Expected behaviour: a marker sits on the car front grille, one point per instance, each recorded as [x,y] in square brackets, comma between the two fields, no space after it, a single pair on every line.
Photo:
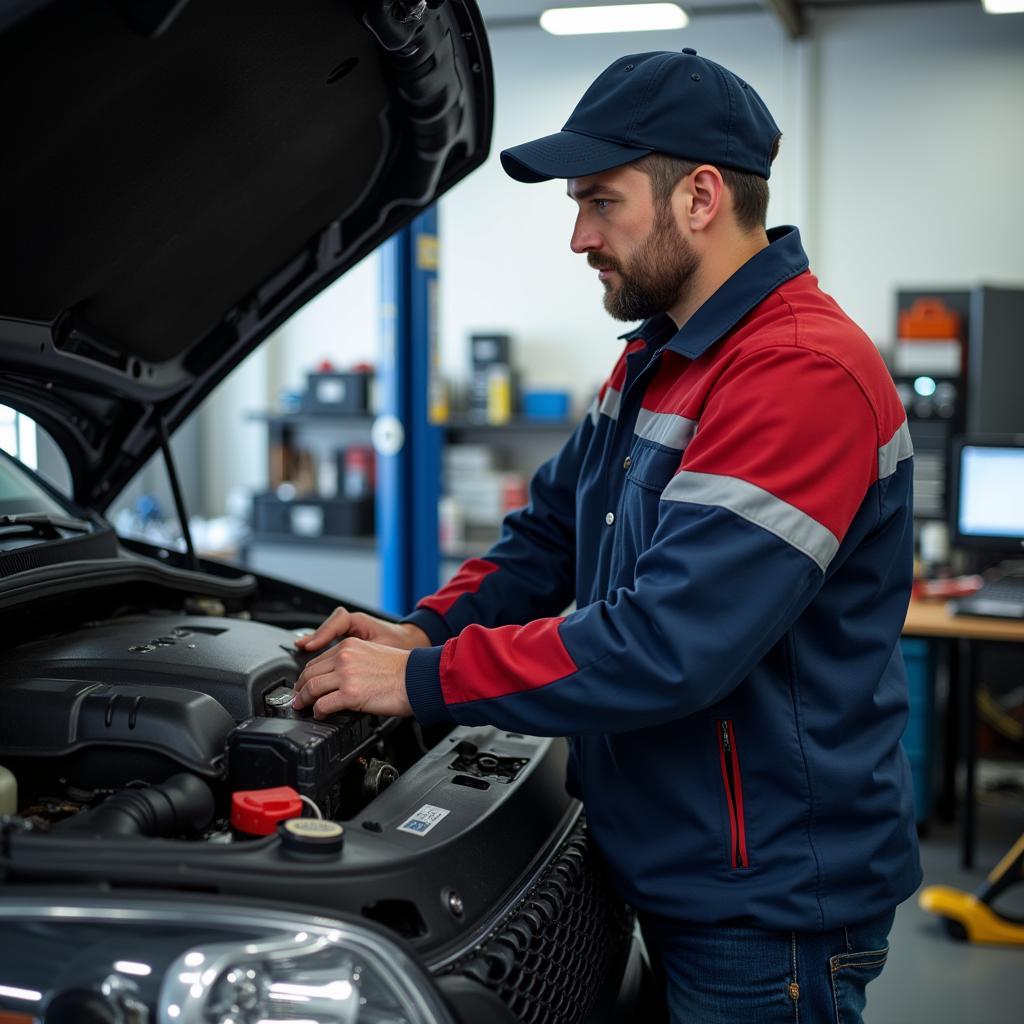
[555,951]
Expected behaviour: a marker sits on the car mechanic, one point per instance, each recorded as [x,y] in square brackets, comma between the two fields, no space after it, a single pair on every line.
[733,520]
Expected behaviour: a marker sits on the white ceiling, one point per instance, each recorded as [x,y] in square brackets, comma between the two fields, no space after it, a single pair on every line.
[518,9]
[524,8]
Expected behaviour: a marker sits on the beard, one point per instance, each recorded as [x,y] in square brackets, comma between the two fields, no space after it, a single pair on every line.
[655,277]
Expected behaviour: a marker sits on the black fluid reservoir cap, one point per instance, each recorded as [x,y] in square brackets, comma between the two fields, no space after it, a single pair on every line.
[311,836]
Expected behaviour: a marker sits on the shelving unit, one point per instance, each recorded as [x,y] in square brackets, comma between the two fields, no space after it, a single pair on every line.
[347,567]
[520,446]
[461,426]
[284,420]
[336,562]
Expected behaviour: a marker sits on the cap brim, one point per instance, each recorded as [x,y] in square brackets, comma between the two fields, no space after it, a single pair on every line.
[565,155]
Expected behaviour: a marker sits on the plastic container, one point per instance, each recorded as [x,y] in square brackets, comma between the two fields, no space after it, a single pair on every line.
[358,472]
[514,492]
[545,405]
[313,517]
[499,394]
[451,525]
[8,791]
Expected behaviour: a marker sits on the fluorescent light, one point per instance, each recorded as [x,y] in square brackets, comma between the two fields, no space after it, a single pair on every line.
[20,993]
[1003,6]
[578,21]
[131,967]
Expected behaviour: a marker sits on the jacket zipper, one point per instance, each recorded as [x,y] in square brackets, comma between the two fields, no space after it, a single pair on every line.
[733,793]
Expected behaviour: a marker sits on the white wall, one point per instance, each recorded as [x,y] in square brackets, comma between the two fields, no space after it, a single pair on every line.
[340,325]
[901,163]
[234,448]
[505,258]
[921,150]
[903,142]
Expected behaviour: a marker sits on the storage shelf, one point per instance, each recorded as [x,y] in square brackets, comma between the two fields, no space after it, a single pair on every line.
[354,543]
[466,426]
[304,419]
[451,426]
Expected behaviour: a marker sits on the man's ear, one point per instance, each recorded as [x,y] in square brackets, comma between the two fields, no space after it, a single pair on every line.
[706,196]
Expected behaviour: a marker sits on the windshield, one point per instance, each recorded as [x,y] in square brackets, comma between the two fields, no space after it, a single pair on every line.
[19,493]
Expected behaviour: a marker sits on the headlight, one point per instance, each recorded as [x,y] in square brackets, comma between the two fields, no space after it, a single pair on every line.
[157,962]
[315,975]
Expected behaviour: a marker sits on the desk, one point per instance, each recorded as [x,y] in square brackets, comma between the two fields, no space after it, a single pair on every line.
[933,618]
[930,618]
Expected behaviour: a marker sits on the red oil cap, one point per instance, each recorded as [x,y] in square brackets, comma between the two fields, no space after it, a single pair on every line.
[257,811]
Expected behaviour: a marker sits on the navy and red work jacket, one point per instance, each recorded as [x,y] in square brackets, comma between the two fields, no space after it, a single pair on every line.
[733,520]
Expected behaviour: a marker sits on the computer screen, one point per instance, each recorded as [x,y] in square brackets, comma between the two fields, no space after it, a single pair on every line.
[989,509]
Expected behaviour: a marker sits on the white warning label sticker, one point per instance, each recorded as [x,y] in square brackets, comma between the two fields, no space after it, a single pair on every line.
[424,820]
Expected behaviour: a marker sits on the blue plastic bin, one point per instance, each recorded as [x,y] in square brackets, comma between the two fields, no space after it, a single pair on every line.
[545,405]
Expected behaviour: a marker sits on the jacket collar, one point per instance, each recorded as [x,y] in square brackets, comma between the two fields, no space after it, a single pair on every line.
[780,261]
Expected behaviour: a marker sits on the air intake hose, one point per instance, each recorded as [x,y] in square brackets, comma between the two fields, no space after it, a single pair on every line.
[182,804]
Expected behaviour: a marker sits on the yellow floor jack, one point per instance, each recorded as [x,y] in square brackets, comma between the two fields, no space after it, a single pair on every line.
[971,916]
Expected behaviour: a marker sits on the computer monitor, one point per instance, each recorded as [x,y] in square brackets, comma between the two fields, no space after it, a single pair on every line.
[988,490]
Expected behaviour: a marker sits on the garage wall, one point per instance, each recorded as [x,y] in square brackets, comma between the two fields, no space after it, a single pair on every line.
[505,258]
[903,143]
[921,144]
[903,140]
[340,324]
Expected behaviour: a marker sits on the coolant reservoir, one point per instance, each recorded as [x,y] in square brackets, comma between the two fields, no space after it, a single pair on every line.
[8,791]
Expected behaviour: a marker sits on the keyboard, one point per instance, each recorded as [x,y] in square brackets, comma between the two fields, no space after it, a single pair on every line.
[1003,598]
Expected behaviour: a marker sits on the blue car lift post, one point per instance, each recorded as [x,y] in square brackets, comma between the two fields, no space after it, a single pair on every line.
[408,445]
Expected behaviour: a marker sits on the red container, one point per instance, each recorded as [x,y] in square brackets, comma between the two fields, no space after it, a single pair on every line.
[257,811]
[514,492]
[358,472]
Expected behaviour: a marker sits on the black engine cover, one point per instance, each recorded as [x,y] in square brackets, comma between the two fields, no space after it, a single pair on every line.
[139,697]
[232,660]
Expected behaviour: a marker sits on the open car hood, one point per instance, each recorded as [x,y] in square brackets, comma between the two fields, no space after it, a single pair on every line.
[179,178]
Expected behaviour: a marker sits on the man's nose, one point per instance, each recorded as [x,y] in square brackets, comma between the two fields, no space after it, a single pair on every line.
[584,238]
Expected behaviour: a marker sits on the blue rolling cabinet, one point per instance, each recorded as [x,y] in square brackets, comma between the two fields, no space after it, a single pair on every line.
[919,736]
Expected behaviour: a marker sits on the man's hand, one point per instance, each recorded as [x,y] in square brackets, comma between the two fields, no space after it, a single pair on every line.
[355,676]
[342,623]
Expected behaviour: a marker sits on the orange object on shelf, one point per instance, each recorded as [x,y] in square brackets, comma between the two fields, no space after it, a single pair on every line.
[929,319]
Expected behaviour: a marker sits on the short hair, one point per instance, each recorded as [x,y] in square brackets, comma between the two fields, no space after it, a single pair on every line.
[749,191]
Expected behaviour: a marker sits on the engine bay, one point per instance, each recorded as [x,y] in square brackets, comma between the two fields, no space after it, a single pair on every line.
[129,703]
[148,743]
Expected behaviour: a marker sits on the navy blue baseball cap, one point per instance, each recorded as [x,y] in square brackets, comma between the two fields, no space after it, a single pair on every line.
[679,104]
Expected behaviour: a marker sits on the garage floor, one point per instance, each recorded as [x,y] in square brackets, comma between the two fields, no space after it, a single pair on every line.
[932,979]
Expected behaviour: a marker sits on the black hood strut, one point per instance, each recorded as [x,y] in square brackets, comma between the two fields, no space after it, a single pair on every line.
[179,500]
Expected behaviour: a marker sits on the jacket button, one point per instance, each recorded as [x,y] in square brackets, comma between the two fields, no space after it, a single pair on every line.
[610,518]
[627,462]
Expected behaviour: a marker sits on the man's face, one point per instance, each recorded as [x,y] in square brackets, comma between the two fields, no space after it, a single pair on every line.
[642,258]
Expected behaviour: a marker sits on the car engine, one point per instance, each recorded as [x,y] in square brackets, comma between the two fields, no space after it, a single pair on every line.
[133,702]
[148,746]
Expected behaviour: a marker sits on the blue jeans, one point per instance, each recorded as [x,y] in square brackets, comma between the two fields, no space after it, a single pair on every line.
[729,975]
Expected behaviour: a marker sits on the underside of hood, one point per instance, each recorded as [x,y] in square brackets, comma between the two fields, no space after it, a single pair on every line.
[179,178]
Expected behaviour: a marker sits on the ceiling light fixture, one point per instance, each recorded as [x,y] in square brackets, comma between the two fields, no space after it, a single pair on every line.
[1003,6]
[576,21]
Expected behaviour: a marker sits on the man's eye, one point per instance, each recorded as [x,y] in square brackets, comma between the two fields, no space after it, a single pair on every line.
[602,204]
